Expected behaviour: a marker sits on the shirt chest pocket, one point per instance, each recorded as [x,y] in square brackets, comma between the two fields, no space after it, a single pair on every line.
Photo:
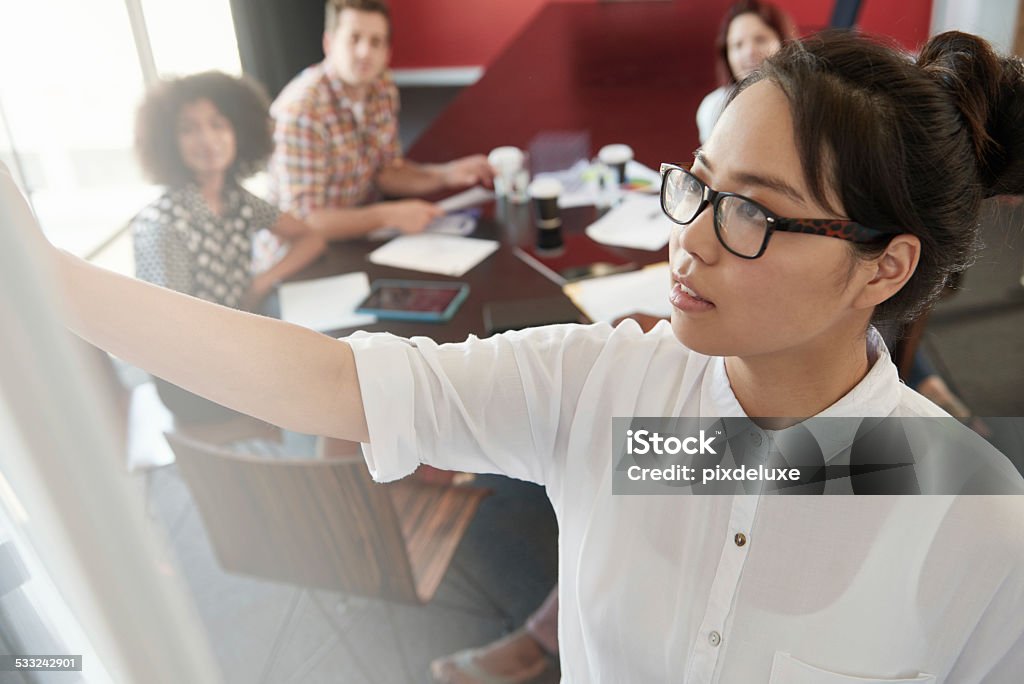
[788,670]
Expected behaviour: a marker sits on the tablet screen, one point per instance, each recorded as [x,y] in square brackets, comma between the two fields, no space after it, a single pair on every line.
[419,299]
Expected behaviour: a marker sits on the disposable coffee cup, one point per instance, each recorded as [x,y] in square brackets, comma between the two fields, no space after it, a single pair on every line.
[545,193]
[616,157]
[508,166]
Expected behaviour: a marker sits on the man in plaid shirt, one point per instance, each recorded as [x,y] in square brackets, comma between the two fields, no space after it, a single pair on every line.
[336,136]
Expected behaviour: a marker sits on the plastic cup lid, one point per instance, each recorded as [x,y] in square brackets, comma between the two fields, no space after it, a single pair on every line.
[506,159]
[615,154]
[545,188]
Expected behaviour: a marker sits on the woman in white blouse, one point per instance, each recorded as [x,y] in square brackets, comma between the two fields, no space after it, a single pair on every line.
[751,32]
[885,161]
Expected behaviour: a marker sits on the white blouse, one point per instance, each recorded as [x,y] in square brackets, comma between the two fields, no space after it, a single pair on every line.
[710,110]
[779,589]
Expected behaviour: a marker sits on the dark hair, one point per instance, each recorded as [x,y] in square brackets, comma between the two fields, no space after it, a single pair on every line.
[772,16]
[334,9]
[911,147]
[242,101]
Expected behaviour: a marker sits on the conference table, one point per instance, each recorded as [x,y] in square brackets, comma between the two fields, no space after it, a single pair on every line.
[615,73]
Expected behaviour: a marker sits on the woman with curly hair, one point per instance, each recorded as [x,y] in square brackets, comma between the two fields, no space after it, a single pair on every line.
[199,136]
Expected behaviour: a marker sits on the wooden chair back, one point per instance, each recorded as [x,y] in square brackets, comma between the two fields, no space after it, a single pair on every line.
[324,523]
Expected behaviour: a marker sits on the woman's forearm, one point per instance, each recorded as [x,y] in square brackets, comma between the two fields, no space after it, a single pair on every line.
[278,372]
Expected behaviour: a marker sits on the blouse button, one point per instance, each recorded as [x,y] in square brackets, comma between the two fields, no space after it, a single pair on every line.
[740,539]
[714,638]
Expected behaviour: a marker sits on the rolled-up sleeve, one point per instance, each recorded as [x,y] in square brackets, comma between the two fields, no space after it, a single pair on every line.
[499,405]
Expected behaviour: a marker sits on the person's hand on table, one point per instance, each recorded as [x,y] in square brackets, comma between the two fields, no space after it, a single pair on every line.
[646,321]
[410,216]
[467,171]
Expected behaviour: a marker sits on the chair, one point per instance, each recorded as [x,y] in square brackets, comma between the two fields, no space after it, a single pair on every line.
[324,524]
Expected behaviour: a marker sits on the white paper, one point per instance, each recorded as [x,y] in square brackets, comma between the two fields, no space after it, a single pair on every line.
[326,303]
[637,222]
[444,254]
[610,297]
[476,195]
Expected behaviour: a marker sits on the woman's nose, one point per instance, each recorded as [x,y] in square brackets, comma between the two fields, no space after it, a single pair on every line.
[698,238]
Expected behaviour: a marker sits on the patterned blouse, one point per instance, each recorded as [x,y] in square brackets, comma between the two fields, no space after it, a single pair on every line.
[180,244]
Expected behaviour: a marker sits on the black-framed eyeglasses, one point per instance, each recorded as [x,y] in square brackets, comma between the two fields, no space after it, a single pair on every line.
[742,225]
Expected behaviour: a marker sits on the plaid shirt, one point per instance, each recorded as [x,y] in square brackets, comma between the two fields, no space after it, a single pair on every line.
[324,156]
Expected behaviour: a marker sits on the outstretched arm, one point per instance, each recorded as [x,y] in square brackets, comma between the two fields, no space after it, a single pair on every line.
[278,372]
[275,371]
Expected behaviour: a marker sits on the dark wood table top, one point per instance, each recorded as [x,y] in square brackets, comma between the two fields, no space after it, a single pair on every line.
[501,276]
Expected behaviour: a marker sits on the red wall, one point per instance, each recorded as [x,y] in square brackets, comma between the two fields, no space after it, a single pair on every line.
[431,33]
[907,21]
[442,33]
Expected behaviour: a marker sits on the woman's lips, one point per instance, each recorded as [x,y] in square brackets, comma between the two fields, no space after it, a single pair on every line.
[686,298]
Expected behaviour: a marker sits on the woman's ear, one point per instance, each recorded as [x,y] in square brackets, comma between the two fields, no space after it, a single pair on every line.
[890,271]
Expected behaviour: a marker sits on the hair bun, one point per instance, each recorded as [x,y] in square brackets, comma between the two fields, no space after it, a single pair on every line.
[989,92]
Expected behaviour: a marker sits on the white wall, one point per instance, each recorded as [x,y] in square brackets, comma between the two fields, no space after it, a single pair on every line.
[994,20]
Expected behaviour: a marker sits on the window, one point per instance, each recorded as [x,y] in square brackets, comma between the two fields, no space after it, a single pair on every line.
[71,76]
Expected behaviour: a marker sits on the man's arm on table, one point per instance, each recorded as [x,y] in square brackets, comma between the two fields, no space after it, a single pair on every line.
[302,170]
[409,216]
[404,178]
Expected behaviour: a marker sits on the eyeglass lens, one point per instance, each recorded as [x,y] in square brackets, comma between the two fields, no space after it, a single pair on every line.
[741,224]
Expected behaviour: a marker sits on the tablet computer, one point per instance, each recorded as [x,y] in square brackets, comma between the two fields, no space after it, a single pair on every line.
[414,300]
